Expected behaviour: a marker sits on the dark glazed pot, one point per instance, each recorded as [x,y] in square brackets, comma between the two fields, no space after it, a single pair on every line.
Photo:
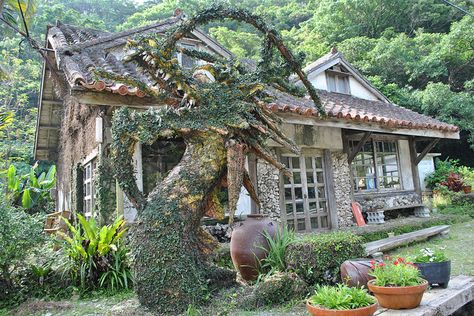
[436,272]
[355,272]
[247,242]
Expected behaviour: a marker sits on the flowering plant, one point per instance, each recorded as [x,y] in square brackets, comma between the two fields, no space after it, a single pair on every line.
[398,272]
[429,255]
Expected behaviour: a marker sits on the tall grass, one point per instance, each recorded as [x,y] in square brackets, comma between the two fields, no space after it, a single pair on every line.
[275,259]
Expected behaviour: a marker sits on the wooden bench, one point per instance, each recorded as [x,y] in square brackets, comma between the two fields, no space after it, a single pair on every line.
[403,239]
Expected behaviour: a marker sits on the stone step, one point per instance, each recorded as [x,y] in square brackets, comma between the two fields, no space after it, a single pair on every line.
[439,301]
[404,239]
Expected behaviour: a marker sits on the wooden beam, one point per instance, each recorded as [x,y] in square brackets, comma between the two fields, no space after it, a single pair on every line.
[359,146]
[52,102]
[329,179]
[110,99]
[414,165]
[427,149]
[50,127]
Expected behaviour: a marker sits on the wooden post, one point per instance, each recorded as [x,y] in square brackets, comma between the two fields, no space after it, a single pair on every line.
[426,150]
[414,165]
[361,143]
[331,198]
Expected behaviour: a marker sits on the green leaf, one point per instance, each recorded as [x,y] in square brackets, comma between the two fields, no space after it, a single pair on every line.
[26,200]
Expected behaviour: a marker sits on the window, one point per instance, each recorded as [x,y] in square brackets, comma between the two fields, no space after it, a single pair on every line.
[376,166]
[304,201]
[185,61]
[338,79]
[88,188]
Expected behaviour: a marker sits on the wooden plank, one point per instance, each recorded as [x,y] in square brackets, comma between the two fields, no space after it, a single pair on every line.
[414,165]
[438,301]
[361,143]
[331,198]
[426,150]
[403,239]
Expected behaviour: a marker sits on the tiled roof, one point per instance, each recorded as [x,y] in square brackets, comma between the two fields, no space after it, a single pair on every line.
[347,107]
[79,51]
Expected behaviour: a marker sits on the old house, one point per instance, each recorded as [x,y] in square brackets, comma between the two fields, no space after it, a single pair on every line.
[366,149]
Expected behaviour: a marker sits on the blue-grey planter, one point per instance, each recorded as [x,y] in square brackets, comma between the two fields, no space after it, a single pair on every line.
[436,272]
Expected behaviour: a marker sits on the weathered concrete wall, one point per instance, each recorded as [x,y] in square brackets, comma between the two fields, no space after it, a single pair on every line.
[309,136]
[268,190]
[342,188]
[405,165]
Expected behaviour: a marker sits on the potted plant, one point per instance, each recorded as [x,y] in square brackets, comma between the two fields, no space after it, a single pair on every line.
[467,189]
[397,284]
[341,300]
[434,266]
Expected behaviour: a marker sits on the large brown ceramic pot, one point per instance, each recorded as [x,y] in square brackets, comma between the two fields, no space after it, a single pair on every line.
[248,244]
[398,297]
[363,311]
[355,272]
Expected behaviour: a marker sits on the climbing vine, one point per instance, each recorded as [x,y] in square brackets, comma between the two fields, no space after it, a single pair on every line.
[219,110]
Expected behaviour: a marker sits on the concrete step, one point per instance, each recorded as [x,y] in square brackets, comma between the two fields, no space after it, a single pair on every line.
[439,301]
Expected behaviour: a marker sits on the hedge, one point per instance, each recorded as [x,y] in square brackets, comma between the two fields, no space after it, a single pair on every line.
[406,225]
[316,258]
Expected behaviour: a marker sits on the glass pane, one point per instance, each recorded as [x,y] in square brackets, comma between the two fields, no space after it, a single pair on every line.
[312,207]
[320,177]
[310,177]
[308,163]
[285,161]
[298,193]
[314,223]
[322,206]
[297,177]
[288,194]
[311,193]
[318,161]
[324,222]
[299,207]
[296,162]
[290,224]
[301,224]
[321,193]
[289,208]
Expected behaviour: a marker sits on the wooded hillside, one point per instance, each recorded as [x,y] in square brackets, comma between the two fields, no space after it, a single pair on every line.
[420,53]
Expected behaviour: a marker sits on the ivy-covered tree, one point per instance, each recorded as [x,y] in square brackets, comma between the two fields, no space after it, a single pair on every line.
[219,110]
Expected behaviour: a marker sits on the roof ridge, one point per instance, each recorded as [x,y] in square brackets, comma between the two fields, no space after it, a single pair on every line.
[112,36]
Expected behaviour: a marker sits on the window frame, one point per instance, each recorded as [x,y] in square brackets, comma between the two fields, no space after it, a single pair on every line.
[338,75]
[88,180]
[373,140]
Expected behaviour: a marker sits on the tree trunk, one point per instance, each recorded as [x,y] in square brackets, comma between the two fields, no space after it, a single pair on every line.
[170,269]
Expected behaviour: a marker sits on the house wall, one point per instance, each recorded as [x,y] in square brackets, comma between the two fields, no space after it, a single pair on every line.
[309,137]
[77,142]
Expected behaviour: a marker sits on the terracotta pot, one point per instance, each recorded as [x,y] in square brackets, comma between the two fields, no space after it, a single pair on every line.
[246,244]
[398,297]
[355,272]
[467,189]
[363,311]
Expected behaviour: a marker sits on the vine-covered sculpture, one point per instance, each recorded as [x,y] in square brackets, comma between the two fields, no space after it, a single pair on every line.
[219,110]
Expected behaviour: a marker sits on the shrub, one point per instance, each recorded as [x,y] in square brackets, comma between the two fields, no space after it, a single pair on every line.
[278,288]
[453,182]
[19,233]
[317,257]
[275,259]
[395,273]
[341,297]
[443,169]
[97,255]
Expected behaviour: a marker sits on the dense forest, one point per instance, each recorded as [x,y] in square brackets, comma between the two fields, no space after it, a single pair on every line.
[420,53]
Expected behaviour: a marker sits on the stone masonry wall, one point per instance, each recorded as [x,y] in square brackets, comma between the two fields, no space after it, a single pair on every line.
[268,190]
[372,202]
[342,189]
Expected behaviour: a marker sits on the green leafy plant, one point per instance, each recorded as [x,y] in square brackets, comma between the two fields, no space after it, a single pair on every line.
[29,190]
[427,255]
[275,259]
[341,297]
[97,255]
[398,272]
[443,169]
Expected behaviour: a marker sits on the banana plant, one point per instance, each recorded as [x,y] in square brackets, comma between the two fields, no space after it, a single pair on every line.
[29,190]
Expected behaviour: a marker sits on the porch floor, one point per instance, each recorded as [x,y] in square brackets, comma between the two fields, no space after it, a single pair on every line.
[439,301]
